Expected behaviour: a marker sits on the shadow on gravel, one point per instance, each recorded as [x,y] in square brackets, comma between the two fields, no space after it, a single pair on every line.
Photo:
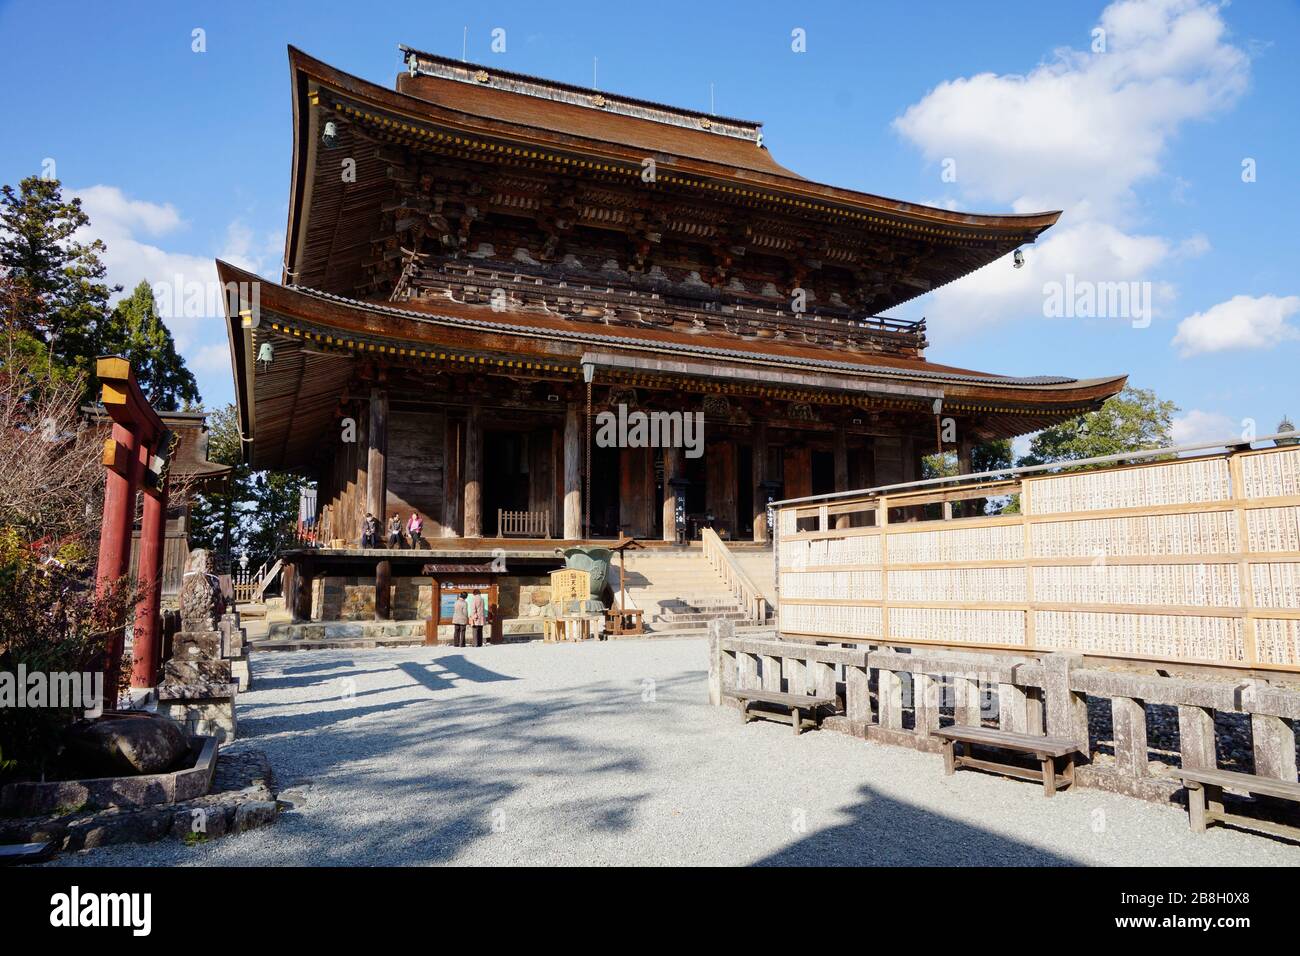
[425,777]
[887,832]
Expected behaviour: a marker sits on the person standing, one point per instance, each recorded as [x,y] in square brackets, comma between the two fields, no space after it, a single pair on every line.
[459,618]
[477,617]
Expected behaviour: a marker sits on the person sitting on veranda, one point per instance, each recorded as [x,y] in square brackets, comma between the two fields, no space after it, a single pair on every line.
[414,529]
[370,532]
[394,531]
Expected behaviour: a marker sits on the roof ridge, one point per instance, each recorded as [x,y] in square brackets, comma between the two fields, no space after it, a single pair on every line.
[420,63]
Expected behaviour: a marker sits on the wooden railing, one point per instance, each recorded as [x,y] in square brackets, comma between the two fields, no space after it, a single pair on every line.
[751,599]
[1190,560]
[523,524]
[902,698]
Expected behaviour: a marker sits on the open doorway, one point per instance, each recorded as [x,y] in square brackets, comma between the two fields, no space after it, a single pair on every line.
[505,476]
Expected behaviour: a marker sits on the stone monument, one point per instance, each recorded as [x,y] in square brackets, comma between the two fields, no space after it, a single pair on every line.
[198,687]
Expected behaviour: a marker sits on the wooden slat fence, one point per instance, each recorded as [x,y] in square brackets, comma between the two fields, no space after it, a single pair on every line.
[1191,560]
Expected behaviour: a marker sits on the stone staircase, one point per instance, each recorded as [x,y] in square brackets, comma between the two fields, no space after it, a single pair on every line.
[679,592]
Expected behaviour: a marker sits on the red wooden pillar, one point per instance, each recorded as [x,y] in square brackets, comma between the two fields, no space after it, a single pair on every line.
[145,654]
[136,428]
[121,457]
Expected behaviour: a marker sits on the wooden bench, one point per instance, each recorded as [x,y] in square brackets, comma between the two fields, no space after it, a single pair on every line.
[1046,749]
[796,704]
[1205,799]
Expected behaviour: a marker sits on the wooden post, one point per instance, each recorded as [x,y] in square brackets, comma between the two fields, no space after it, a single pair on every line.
[889,695]
[302,588]
[453,491]
[376,459]
[1129,724]
[758,479]
[720,490]
[384,591]
[673,458]
[1013,709]
[147,645]
[1196,737]
[572,473]
[771,673]
[841,454]
[1274,746]
[925,704]
[857,690]
[1067,711]
[474,472]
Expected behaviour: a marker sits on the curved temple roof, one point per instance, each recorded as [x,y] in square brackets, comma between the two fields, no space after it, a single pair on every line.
[580,131]
[336,331]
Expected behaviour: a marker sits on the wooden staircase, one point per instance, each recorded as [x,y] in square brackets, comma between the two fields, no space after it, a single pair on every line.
[680,591]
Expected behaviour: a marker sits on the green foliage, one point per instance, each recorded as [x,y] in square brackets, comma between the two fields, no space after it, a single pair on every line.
[57,294]
[53,621]
[135,331]
[258,510]
[1133,420]
[990,456]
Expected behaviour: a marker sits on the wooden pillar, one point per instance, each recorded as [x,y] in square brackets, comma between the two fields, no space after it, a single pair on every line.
[301,596]
[377,458]
[965,450]
[361,495]
[720,489]
[453,490]
[673,467]
[572,472]
[797,471]
[636,491]
[121,479]
[147,645]
[383,591]
[758,479]
[888,460]
[841,471]
[1129,726]
[474,472]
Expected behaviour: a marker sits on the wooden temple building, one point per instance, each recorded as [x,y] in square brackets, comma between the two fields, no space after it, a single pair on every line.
[478,262]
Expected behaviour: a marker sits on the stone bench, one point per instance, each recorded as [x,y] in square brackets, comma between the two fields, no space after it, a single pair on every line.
[1046,749]
[1205,799]
[796,705]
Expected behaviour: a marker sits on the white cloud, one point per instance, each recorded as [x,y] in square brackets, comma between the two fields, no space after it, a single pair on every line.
[1243,322]
[1077,133]
[1196,426]
[131,228]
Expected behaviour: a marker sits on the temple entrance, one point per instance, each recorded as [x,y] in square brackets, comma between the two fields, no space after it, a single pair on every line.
[823,472]
[604,492]
[506,478]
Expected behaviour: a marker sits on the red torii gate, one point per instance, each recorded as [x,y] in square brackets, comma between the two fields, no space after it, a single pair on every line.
[136,458]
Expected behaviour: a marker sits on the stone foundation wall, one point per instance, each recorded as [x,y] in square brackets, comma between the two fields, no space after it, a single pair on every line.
[352,598]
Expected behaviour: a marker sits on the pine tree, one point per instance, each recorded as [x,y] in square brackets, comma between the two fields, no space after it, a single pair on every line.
[59,297]
[135,331]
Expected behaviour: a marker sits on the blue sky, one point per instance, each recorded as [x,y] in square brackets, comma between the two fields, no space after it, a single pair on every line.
[183,156]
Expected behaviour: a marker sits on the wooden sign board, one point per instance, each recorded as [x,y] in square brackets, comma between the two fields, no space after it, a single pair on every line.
[570,584]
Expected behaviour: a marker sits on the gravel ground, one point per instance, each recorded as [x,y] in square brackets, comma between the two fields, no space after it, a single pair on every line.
[608,753]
